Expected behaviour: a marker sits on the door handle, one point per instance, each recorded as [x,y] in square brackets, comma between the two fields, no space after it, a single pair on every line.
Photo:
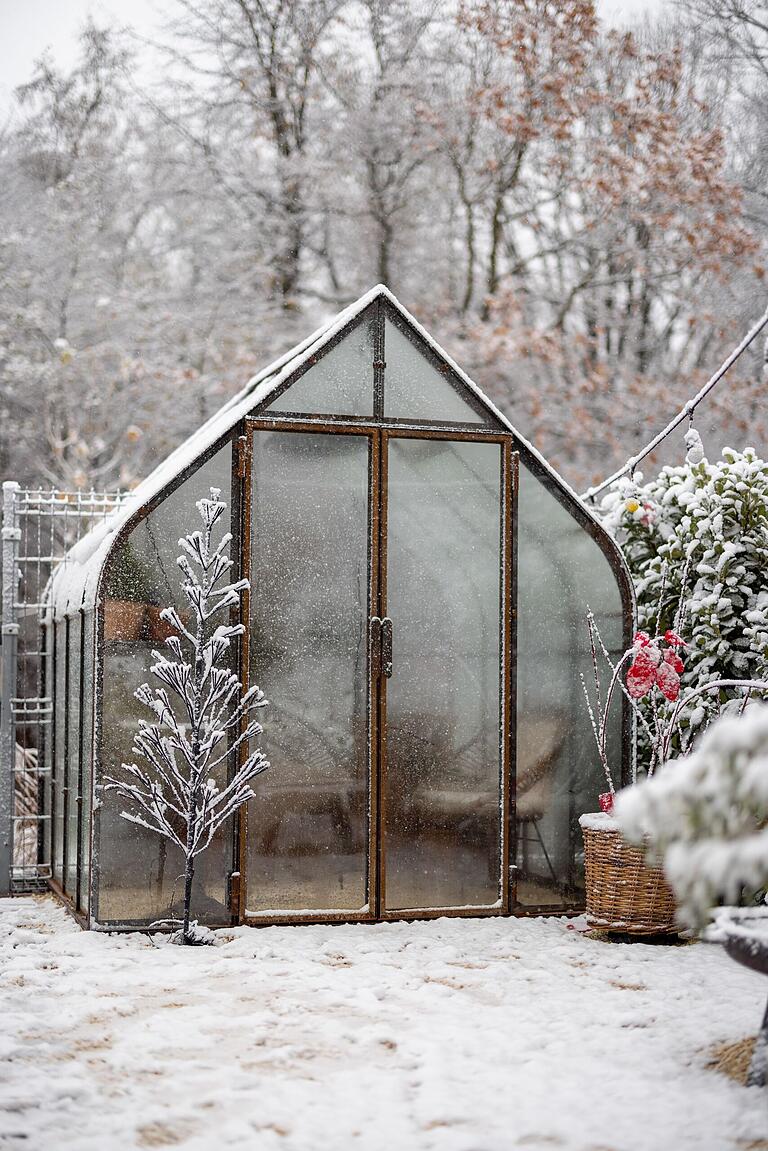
[374,641]
[380,641]
[386,647]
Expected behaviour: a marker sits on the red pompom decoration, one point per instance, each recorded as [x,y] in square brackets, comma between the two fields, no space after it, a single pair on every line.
[606,802]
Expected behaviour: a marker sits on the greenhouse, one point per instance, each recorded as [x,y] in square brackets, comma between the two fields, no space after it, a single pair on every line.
[419,581]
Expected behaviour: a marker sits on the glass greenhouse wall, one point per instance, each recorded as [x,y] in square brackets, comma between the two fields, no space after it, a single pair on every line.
[419,585]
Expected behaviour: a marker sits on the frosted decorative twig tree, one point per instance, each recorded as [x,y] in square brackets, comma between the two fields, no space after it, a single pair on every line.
[176,794]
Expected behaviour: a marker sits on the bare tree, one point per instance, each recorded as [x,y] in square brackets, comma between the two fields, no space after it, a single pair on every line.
[203,716]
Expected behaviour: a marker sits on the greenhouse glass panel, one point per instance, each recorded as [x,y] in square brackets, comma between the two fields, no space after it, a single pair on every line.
[444,704]
[416,620]
[47,737]
[340,383]
[60,750]
[308,826]
[138,870]
[73,758]
[414,389]
[561,571]
[87,761]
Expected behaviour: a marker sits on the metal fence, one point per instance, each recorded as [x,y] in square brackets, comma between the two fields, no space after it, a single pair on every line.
[39,526]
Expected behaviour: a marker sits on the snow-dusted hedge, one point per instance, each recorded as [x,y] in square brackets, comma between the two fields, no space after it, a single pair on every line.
[701,531]
[706,815]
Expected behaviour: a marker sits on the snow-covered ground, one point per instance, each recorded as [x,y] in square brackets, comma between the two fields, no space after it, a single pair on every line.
[457,1035]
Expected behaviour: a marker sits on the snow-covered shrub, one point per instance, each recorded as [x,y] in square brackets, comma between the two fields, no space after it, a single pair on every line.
[700,532]
[204,718]
[706,815]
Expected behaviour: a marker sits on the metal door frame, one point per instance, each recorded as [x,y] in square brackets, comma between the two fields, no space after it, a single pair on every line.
[378,436]
[508,492]
[253,426]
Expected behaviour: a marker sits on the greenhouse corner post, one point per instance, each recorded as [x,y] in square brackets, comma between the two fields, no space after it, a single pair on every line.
[10,632]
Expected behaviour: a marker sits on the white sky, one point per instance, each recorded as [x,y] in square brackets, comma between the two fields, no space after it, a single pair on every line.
[29,27]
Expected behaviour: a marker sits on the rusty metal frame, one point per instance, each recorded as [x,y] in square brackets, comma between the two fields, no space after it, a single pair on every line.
[80,744]
[378,438]
[509,577]
[489,422]
[380,685]
[65,781]
[319,427]
[90,620]
[241,547]
[123,533]
[573,505]
[505,440]
[54,655]
[370,316]
[492,427]
[98,726]
[62,627]
[375,315]
[376,720]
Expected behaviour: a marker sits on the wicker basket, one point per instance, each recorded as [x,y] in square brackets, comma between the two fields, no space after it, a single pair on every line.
[623,893]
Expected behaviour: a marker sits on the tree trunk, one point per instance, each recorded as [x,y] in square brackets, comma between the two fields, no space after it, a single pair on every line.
[189,872]
[385,245]
[492,282]
[469,240]
[289,259]
[189,868]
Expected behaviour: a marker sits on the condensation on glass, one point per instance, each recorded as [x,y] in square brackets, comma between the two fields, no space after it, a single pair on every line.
[561,571]
[415,389]
[444,700]
[340,383]
[138,871]
[308,825]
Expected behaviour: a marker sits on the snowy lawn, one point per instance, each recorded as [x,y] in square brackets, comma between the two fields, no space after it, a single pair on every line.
[463,1035]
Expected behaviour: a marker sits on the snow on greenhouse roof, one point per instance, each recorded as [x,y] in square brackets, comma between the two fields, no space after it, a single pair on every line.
[76,581]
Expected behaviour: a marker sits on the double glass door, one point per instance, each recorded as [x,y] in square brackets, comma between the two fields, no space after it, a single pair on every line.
[380,622]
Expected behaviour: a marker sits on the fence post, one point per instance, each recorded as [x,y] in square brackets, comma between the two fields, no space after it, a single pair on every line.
[11,535]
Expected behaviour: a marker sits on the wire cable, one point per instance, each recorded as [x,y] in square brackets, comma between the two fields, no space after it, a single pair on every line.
[685,413]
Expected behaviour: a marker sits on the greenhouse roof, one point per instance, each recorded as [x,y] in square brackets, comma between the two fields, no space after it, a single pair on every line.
[76,581]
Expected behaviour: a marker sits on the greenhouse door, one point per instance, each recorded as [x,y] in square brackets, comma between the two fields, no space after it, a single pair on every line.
[380,568]
[444,691]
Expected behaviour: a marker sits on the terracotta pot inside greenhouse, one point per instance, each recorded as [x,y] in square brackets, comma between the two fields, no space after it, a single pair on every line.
[123,619]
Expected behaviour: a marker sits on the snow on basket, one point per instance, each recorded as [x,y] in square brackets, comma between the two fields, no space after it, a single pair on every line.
[623,893]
